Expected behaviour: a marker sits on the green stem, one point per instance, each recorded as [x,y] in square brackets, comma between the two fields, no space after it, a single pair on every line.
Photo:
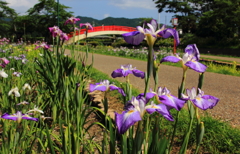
[180,91]
[149,68]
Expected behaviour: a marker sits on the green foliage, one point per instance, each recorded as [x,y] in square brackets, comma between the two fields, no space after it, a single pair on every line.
[110,21]
[187,12]
[209,42]
[221,20]
[211,18]
[43,15]
[6,16]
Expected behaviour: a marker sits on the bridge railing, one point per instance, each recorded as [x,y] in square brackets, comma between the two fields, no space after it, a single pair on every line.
[103,28]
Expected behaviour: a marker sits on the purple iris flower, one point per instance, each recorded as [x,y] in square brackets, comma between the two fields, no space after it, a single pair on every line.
[164,96]
[43,45]
[18,117]
[87,25]
[64,36]
[135,111]
[3,62]
[71,20]
[200,100]
[190,59]
[55,31]
[127,69]
[136,37]
[105,86]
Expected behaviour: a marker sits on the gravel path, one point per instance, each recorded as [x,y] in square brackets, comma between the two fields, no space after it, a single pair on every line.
[225,87]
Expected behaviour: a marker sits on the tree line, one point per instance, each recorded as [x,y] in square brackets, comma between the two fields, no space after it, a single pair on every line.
[205,18]
[218,19]
[36,21]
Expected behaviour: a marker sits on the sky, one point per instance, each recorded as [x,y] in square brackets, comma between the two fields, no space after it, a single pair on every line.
[100,9]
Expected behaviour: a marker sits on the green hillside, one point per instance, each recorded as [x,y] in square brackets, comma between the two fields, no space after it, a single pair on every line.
[111,21]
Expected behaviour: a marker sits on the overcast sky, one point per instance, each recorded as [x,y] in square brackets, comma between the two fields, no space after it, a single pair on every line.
[100,9]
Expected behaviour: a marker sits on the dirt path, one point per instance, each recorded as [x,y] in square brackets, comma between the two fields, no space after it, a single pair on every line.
[225,87]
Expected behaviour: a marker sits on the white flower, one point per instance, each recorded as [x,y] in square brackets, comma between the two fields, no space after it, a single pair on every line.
[3,74]
[23,103]
[12,69]
[15,92]
[35,109]
[43,117]
[26,86]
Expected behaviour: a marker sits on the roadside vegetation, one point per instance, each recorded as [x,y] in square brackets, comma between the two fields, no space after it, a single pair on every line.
[141,54]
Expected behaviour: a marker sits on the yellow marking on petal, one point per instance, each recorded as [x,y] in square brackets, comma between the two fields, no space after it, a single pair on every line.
[198,98]
[130,111]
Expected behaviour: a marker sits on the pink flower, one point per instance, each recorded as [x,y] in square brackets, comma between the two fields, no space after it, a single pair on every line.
[43,45]
[87,25]
[71,20]
[4,62]
[55,31]
[64,36]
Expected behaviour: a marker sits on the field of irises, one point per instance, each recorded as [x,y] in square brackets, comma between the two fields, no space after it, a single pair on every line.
[46,107]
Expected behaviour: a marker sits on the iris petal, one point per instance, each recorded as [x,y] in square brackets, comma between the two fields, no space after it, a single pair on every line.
[212,99]
[160,108]
[126,120]
[202,103]
[172,101]
[170,32]
[148,96]
[138,73]
[154,24]
[120,90]
[192,49]
[134,38]
[170,59]
[196,66]
[97,86]
[117,73]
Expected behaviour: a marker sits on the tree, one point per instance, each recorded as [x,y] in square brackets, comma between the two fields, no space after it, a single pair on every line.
[215,18]
[187,12]
[221,21]
[6,17]
[44,15]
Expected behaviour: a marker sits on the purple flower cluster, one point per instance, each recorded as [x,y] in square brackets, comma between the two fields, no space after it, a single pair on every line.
[4,41]
[43,45]
[3,62]
[135,110]
[21,57]
[55,31]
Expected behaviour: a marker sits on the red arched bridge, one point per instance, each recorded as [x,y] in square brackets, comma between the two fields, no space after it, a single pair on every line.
[99,30]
